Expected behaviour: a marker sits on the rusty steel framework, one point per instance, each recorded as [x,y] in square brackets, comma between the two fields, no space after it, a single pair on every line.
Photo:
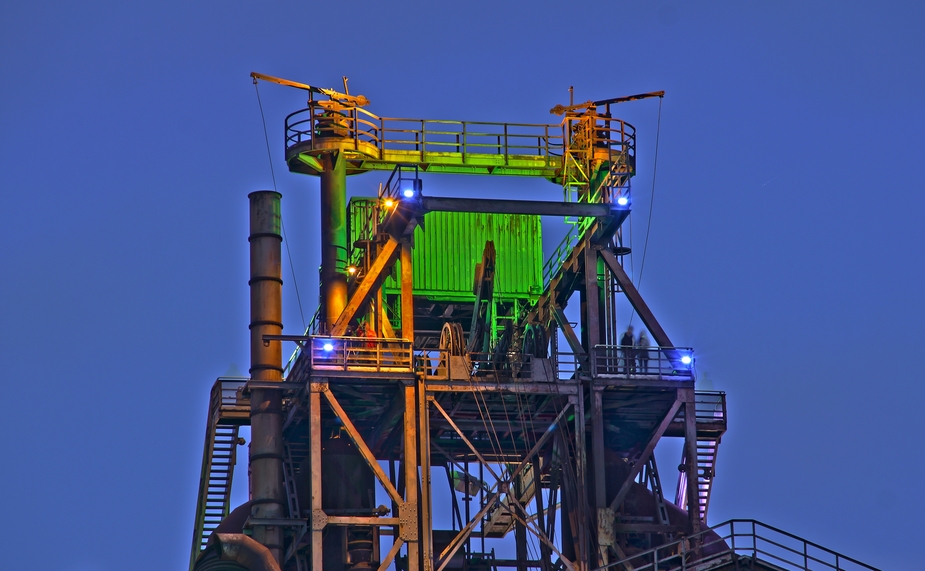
[546,446]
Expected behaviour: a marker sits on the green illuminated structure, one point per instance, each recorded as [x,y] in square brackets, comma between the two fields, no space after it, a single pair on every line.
[441,348]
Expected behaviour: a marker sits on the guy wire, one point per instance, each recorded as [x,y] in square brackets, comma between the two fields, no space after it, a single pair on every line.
[645,244]
[282,225]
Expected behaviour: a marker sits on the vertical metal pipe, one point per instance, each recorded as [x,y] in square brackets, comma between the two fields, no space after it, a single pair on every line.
[333,237]
[266,449]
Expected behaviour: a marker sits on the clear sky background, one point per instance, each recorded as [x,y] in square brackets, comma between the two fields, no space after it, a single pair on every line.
[786,242]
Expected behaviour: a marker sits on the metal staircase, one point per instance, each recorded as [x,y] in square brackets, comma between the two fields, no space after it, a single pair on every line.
[295,512]
[706,466]
[228,411]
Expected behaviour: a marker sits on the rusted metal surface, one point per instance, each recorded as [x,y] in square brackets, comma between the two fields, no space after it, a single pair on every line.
[363,404]
[266,449]
[245,551]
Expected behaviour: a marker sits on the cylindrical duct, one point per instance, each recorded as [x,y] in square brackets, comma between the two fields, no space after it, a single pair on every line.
[333,238]
[266,449]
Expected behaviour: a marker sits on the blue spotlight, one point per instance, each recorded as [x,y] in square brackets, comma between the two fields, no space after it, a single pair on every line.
[686,359]
[623,201]
[410,188]
[328,346]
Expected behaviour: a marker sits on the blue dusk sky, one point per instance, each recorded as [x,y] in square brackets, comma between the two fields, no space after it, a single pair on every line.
[786,241]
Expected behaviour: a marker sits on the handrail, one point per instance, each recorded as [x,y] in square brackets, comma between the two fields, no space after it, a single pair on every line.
[719,544]
[360,354]
[631,361]
[369,132]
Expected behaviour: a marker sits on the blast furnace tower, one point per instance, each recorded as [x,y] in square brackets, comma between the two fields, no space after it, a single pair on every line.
[441,413]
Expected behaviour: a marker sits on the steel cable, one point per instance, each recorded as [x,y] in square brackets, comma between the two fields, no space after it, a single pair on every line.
[645,245]
[282,225]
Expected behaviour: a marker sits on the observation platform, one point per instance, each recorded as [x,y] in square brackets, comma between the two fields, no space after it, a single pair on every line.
[367,357]
[370,142]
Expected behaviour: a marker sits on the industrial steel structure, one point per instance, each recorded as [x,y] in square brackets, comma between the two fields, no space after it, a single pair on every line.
[441,351]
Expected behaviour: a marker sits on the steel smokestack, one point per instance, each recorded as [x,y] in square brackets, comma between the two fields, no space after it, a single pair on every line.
[266,449]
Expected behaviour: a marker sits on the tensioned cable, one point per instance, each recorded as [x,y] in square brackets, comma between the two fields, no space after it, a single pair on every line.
[645,245]
[282,225]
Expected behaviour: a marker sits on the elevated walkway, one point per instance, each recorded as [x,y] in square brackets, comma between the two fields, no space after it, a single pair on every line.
[446,146]
[740,545]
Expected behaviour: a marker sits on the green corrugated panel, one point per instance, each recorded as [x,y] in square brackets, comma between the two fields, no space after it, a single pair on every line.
[446,253]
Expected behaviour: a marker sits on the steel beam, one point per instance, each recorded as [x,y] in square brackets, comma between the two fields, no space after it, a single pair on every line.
[363,449]
[407,292]
[384,260]
[573,341]
[410,532]
[426,527]
[632,294]
[599,463]
[457,542]
[390,556]
[497,206]
[314,429]
[644,456]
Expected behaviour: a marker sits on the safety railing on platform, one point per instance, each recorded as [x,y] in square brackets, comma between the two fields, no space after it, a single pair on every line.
[737,544]
[226,396]
[360,354]
[568,365]
[710,406]
[436,365]
[639,363]
[315,124]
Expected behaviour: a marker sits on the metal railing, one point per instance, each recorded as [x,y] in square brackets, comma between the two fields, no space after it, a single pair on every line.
[709,406]
[226,396]
[316,125]
[360,354]
[560,254]
[736,544]
[634,362]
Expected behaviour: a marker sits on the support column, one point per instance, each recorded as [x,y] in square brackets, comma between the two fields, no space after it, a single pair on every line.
[266,449]
[412,481]
[409,512]
[407,293]
[317,523]
[603,514]
[333,238]
[581,483]
[427,546]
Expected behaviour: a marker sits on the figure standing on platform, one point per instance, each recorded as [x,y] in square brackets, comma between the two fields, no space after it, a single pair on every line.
[627,346]
[642,353]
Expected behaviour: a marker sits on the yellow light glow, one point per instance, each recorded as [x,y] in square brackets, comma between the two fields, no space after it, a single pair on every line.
[352,269]
[389,203]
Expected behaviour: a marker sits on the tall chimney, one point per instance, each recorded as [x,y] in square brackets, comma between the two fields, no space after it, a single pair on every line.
[266,449]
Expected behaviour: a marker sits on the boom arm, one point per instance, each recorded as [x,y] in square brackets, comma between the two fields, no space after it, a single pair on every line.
[346,98]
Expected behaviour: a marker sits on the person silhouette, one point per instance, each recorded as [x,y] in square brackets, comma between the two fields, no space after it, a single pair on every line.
[627,343]
[642,352]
